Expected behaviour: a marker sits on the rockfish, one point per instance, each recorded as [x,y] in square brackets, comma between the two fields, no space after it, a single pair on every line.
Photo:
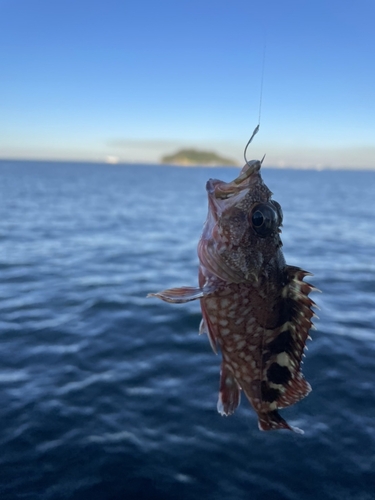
[255,307]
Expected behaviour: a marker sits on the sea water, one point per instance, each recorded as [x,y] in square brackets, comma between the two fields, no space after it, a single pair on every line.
[107,394]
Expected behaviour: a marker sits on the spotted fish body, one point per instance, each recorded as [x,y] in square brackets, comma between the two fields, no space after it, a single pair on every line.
[255,308]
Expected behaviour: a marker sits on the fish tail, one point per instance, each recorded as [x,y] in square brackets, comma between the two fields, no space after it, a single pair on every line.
[269,421]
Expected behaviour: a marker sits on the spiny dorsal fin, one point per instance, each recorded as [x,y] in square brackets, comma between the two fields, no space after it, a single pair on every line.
[283,383]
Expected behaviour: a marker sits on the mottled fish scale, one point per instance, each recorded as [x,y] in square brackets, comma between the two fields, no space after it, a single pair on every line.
[264,362]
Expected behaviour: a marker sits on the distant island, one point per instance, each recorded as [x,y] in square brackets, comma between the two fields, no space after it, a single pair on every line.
[191,157]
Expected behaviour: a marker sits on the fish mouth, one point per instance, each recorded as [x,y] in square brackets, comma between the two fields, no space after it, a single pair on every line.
[223,190]
[222,195]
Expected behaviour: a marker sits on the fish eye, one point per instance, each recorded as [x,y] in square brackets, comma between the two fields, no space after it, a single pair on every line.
[257,218]
[264,219]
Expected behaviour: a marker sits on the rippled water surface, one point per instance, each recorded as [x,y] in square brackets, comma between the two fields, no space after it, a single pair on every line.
[108,395]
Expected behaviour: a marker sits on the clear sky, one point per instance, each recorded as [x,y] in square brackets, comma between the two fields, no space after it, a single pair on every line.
[89,79]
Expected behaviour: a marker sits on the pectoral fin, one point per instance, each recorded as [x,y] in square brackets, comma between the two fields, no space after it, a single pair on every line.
[179,295]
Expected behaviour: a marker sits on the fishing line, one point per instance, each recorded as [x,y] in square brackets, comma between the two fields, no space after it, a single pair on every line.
[256,130]
[261,81]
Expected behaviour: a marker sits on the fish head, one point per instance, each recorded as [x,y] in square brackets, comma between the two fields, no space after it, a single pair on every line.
[242,231]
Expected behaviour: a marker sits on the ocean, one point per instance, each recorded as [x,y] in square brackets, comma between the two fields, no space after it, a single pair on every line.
[107,394]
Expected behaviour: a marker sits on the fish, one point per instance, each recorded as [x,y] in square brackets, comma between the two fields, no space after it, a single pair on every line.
[255,308]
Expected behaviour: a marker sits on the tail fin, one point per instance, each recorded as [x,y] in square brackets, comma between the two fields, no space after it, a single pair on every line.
[272,420]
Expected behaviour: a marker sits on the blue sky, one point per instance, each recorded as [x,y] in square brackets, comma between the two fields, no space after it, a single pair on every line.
[90,80]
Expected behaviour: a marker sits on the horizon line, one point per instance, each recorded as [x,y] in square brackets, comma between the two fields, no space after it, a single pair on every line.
[125,163]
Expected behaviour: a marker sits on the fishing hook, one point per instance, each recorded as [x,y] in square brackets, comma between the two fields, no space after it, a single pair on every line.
[249,141]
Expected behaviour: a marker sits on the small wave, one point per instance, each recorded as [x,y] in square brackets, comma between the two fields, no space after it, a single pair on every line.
[108,376]
[13,376]
[59,349]
[115,437]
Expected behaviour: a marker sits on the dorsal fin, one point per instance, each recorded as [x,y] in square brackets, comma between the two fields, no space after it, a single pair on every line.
[283,383]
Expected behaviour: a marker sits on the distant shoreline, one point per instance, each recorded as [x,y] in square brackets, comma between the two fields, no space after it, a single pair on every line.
[195,157]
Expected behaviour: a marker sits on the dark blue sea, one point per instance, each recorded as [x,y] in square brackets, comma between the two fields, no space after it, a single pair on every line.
[108,395]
